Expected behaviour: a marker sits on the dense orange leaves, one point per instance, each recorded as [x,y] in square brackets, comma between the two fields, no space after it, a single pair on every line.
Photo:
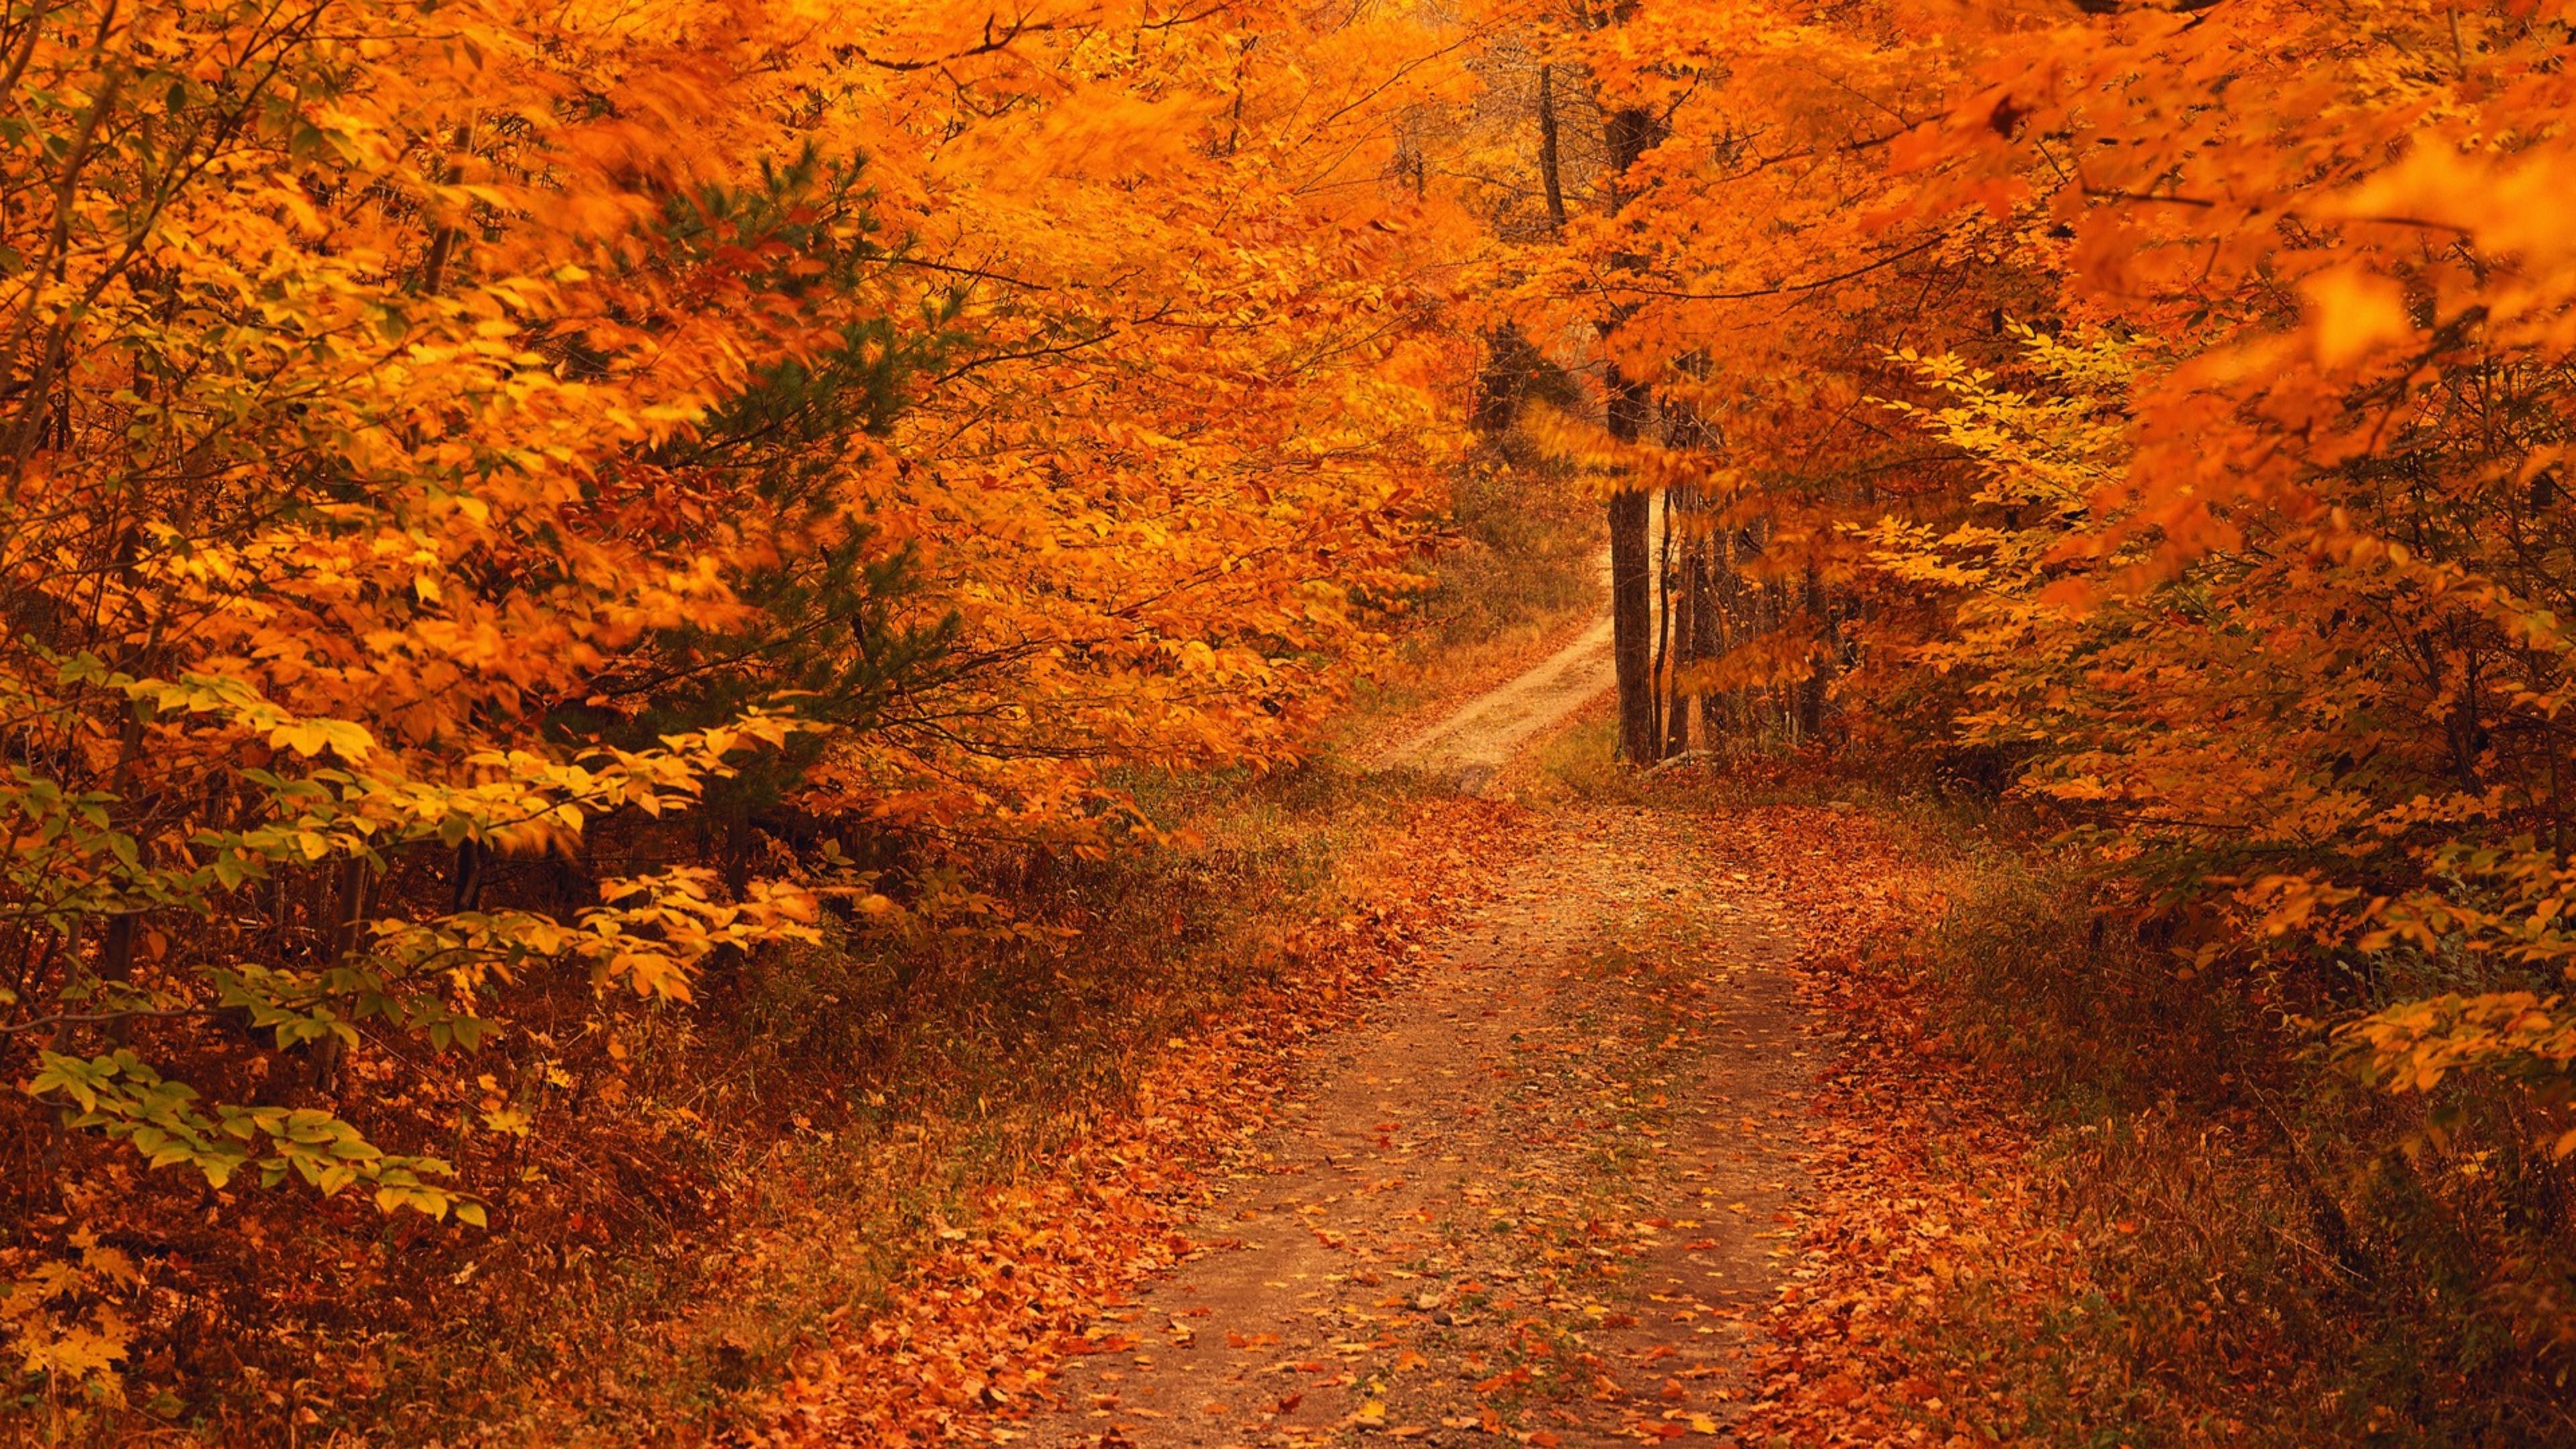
[515,501]
[2176,399]
[1197,417]
[514,510]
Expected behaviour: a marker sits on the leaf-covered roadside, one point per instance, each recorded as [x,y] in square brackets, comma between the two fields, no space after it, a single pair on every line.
[1918,1184]
[967,1340]
[2054,1196]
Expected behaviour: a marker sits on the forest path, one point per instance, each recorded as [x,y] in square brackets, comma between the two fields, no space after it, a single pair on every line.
[1470,745]
[1537,1194]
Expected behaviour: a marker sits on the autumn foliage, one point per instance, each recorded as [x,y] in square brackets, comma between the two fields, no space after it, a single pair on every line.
[516,510]
[2160,412]
[517,513]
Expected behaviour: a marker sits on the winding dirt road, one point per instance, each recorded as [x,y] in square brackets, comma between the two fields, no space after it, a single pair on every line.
[1470,746]
[1533,1199]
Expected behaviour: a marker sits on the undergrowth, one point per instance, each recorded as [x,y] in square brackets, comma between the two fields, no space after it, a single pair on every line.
[1522,566]
[898,1081]
[2223,1239]
[2268,1252]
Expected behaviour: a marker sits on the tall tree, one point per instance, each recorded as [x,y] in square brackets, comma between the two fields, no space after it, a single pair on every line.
[1629,413]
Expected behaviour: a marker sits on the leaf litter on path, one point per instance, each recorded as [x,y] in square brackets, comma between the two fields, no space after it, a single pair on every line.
[1593,1131]
[1517,1153]
[1534,1196]
[966,1342]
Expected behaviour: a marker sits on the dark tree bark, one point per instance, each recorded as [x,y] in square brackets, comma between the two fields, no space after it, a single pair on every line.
[1632,604]
[1687,595]
[1662,668]
[1632,624]
[1811,692]
[1632,131]
[1548,173]
[465,892]
[1712,573]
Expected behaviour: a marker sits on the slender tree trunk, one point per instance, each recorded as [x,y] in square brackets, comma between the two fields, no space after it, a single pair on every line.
[1707,623]
[1783,695]
[116,947]
[1811,694]
[1664,630]
[465,892]
[1677,630]
[1686,559]
[1631,132]
[1632,568]
[1548,174]
[1632,623]
[348,931]
[1724,709]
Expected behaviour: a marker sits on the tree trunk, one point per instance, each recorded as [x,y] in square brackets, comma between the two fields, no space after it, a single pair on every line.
[1663,669]
[1725,626]
[1811,693]
[1548,173]
[1710,570]
[465,891]
[1684,606]
[1632,623]
[1632,131]
[348,932]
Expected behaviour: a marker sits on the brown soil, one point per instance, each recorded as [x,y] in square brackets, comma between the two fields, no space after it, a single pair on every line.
[1473,745]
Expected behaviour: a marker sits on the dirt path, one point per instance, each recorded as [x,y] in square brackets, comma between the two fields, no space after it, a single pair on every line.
[1470,746]
[1535,1196]
[1532,1197]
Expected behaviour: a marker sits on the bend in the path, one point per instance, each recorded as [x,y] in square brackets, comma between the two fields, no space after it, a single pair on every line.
[1470,746]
